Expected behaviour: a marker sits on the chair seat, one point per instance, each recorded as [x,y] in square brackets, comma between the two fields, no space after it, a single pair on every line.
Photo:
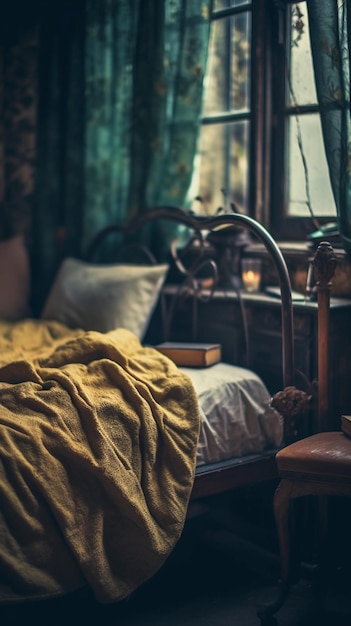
[326,455]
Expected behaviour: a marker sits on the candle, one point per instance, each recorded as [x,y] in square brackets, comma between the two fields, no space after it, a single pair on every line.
[251,274]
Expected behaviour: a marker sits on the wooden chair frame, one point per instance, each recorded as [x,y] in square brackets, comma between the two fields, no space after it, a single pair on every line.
[328,475]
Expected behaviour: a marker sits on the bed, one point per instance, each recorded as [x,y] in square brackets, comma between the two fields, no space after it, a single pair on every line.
[104,441]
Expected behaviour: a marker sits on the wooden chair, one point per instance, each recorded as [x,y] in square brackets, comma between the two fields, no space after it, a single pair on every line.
[318,465]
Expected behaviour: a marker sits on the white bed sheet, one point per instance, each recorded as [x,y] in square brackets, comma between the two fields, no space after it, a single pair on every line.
[236,416]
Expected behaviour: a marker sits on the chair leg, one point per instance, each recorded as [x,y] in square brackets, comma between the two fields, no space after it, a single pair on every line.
[282,500]
[324,559]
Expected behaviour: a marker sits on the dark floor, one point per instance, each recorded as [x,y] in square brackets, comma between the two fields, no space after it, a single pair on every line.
[216,576]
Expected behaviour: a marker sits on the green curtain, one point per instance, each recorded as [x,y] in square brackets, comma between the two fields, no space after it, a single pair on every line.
[330,29]
[119,108]
[110,34]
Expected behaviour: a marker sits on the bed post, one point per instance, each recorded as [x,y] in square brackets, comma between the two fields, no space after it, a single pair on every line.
[324,264]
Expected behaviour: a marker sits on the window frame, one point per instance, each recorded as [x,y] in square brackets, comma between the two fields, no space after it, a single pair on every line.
[283,226]
[267,117]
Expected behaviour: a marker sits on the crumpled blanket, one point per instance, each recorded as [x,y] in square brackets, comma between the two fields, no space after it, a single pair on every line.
[98,440]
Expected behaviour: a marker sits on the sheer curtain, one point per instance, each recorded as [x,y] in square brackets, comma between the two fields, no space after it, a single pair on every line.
[330,30]
[119,104]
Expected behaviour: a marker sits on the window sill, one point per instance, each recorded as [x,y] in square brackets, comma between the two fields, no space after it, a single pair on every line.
[295,249]
[298,256]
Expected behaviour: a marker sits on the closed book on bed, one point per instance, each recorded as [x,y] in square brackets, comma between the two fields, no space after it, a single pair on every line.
[191,354]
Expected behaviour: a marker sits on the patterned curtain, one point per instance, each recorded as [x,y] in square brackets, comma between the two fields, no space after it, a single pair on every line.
[330,31]
[18,112]
[59,197]
[120,87]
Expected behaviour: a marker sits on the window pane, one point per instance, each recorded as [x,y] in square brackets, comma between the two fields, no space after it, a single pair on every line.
[240,62]
[216,81]
[221,167]
[301,67]
[322,200]
[209,177]
[239,164]
[228,89]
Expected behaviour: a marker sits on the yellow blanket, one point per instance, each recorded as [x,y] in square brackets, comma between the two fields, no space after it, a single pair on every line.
[98,439]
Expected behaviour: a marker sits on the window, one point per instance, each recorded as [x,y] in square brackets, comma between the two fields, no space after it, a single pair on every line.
[260,148]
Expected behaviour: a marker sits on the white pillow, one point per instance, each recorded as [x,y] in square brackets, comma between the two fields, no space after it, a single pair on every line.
[105,297]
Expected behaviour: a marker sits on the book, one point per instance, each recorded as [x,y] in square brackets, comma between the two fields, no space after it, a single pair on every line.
[346,425]
[191,354]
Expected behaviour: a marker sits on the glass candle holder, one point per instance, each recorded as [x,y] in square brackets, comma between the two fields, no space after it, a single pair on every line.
[251,274]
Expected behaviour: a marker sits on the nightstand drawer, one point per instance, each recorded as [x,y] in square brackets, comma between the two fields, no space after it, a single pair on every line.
[266,357]
[270,321]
